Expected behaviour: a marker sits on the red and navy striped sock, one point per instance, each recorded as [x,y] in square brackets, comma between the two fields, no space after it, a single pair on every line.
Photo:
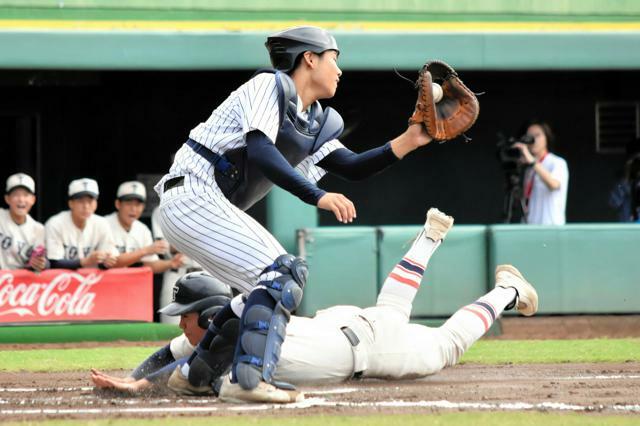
[484,311]
[408,272]
[403,282]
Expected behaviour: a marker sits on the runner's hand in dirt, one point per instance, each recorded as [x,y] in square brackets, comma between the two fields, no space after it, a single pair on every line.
[124,384]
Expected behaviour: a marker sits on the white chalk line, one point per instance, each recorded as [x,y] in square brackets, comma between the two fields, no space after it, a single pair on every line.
[90,388]
[140,410]
[321,402]
[67,389]
[330,391]
[91,400]
[333,391]
[598,377]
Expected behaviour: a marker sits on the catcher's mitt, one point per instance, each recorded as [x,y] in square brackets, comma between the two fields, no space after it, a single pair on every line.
[455,113]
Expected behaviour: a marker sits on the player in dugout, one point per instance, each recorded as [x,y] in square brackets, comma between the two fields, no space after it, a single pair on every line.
[133,238]
[78,238]
[21,237]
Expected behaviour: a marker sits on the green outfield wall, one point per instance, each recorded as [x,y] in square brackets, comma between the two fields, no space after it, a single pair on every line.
[346,262]
[576,269]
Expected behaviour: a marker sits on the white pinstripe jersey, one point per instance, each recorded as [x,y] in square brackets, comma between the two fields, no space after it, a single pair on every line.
[253,106]
[17,241]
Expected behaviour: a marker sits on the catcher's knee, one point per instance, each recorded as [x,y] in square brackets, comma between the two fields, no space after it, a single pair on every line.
[288,287]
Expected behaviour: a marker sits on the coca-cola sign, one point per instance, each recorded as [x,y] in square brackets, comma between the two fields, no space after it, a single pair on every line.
[83,295]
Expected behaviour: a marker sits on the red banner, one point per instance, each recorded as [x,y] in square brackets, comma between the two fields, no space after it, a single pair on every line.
[84,295]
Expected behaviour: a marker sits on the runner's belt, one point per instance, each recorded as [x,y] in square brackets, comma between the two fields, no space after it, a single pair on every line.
[353,339]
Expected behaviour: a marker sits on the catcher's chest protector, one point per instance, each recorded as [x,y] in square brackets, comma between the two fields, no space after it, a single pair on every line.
[297,139]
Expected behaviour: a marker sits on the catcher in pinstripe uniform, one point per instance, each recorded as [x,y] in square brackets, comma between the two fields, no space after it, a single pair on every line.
[270,131]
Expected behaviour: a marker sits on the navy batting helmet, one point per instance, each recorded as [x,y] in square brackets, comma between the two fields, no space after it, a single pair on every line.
[198,292]
[285,47]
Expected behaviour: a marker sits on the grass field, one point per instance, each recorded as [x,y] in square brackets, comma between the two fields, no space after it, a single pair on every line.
[485,352]
[449,419]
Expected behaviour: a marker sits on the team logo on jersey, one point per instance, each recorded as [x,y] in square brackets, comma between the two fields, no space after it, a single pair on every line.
[6,242]
[22,248]
[70,252]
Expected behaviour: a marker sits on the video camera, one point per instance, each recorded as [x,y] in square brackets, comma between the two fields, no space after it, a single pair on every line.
[508,154]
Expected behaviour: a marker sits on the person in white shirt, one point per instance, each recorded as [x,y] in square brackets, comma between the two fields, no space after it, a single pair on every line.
[21,237]
[132,237]
[78,238]
[547,179]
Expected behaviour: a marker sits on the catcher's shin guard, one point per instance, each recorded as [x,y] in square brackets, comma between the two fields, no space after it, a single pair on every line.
[264,322]
[214,361]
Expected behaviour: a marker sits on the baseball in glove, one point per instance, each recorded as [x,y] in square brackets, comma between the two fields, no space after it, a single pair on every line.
[455,113]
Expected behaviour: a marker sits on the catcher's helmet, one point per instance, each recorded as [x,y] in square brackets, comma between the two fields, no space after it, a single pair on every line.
[198,292]
[285,47]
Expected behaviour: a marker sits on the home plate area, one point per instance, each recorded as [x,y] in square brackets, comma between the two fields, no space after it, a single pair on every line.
[608,388]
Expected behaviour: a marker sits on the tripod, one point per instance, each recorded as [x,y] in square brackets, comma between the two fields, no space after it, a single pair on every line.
[514,205]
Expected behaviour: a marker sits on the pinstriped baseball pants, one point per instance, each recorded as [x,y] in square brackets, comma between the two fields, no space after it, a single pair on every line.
[224,240]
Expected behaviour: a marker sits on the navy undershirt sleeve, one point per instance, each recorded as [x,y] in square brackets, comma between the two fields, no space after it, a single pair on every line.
[162,375]
[351,166]
[155,362]
[65,263]
[262,152]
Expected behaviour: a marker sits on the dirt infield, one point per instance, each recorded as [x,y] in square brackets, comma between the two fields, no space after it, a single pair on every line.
[600,387]
[570,327]
[607,388]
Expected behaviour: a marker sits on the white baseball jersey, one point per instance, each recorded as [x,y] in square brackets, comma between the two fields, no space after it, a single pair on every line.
[181,347]
[139,236]
[66,241]
[546,206]
[198,219]
[17,241]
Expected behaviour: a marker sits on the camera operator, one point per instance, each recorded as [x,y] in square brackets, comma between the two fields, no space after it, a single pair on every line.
[546,178]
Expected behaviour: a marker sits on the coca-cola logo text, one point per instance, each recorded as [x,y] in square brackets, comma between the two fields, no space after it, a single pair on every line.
[49,299]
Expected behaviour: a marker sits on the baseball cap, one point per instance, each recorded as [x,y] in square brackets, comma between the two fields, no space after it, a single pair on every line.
[21,180]
[132,190]
[81,187]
